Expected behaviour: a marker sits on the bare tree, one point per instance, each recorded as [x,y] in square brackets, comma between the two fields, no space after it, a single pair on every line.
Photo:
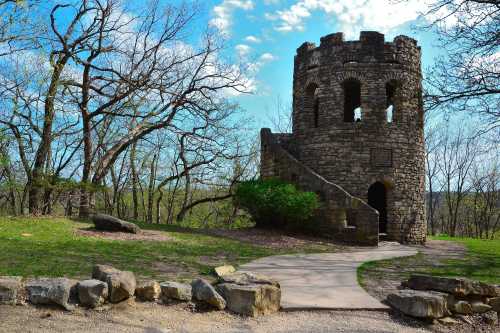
[467,77]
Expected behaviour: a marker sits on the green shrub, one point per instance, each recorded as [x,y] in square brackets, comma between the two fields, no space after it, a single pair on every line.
[275,203]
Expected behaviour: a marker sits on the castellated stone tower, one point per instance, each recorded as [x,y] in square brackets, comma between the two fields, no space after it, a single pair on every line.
[357,137]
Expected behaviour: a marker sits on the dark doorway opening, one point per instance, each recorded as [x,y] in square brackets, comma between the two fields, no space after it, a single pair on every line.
[377,198]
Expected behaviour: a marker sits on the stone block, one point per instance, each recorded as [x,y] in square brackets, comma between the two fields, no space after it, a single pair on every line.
[176,291]
[50,291]
[92,293]
[251,300]
[204,291]
[148,290]
[9,289]
[419,304]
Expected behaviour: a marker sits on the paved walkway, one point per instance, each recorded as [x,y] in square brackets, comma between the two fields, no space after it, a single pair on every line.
[325,280]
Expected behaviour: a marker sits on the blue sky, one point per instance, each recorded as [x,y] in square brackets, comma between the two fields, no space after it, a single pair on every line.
[266,33]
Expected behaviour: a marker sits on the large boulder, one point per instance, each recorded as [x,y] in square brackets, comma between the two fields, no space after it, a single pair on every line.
[177,291]
[457,286]
[50,291]
[92,293]
[248,278]
[111,223]
[420,304]
[9,289]
[251,300]
[121,284]
[147,290]
[203,291]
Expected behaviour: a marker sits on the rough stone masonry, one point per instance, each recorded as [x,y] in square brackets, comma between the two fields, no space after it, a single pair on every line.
[357,138]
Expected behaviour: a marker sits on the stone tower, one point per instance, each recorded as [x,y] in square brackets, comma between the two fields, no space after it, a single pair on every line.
[357,137]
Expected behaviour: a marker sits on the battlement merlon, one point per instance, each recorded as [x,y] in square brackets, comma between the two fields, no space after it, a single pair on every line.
[371,47]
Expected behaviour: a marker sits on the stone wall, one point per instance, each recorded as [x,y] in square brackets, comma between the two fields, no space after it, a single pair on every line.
[355,155]
[341,215]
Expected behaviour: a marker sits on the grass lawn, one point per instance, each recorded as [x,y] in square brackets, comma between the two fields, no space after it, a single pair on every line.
[481,262]
[50,247]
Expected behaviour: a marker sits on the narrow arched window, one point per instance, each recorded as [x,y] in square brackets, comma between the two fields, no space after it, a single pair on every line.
[390,93]
[311,106]
[352,100]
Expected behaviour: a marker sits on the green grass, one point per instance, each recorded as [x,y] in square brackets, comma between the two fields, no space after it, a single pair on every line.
[50,247]
[482,261]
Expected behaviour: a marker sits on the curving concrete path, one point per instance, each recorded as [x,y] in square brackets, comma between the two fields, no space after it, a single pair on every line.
[325,280]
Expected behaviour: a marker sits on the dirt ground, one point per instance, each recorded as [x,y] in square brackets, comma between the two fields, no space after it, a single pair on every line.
[277,239]
[143,235]
[159,318]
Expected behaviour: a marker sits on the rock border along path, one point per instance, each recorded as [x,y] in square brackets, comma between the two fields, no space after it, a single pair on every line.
[326,280]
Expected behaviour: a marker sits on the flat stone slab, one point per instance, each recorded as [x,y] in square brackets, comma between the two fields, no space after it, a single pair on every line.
[325,280]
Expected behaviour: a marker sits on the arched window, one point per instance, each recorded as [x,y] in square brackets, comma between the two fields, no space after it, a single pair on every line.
[312,103]
[390,105]
[352,100]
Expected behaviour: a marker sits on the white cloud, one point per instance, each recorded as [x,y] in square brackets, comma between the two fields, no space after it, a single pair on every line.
[267,57]
[351,15]
[243,50]
[252,39]
[222,14]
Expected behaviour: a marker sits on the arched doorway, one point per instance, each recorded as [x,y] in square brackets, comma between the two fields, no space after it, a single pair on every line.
[377,198]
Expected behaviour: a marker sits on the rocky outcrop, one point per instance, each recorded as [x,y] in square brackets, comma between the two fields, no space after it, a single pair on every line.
[247,278]
[9,289]
[111,223]
[92,293]
[251,300]
[50,291]
[205,292]
[420,304]
[148,290]
[457,286]
[121,284]
[176,291]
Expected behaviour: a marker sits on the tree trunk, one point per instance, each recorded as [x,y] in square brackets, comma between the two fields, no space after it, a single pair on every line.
[37,176]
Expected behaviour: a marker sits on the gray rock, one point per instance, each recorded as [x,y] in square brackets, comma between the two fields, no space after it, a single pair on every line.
[92,293]
[175,290]
[251,300]
[480,307]
[456,286]
[121,284]
[148,290]
[495,303]
[50,291]
[203,291]
[420,304]
[247,278]
[9,289]
[111,223]
[462,307]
